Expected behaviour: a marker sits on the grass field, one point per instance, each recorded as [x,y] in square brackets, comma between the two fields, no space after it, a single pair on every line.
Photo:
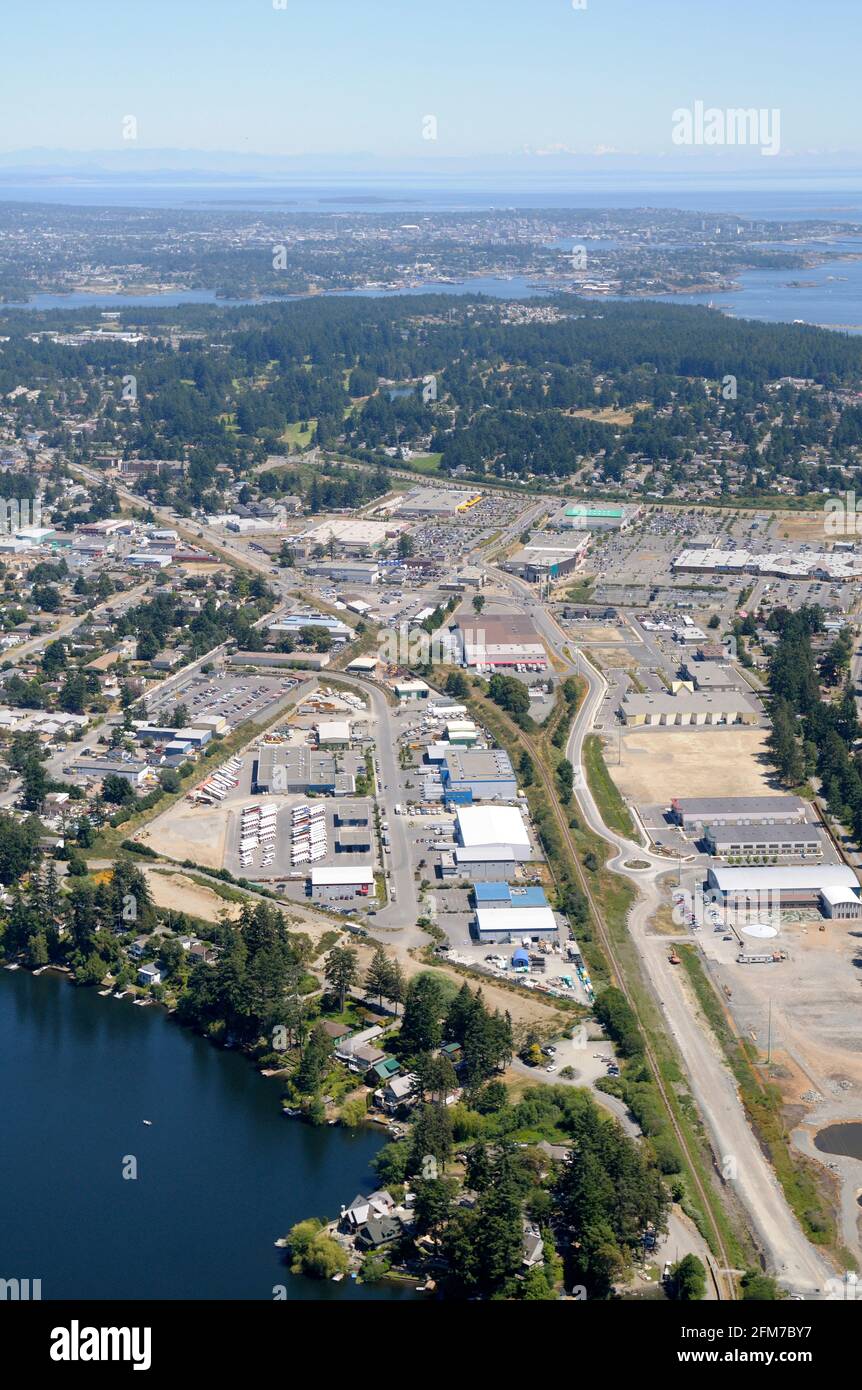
[613,810]
[297,436]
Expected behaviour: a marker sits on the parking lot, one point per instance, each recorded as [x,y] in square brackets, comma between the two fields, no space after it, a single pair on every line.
[235,698]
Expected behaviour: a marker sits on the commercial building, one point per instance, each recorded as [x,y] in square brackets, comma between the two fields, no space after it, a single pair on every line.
[478,775]
[499,641]
[693,813]
[548,557]
[344,571]
[583,517]
[796,564]
[832,888]
[730,707]
[348,536]
[739,840]
[437,501]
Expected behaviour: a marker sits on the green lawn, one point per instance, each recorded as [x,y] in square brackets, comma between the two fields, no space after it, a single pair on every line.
[297,436]
[613,809]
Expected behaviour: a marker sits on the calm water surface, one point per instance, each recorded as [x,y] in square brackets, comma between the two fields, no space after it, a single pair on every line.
[221,1173]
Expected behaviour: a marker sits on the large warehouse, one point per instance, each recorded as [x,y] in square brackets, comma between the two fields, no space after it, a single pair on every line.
[833,888]
[695,812]
[675,711]
[493,825]
[492,843]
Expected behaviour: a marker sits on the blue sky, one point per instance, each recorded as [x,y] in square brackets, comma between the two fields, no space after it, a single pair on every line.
[356,77]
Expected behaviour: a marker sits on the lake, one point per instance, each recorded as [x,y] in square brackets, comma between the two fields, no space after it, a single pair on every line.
[221,1172]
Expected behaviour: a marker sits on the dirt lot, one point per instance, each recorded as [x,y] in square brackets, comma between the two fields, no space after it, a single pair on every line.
[180,893]
[598,633]
[189,832]
[803,526]
[662,763]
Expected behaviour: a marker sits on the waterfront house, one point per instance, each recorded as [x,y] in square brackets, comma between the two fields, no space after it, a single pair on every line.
[380,1230]
[385,1070]
[150,974]
[398,1092]
[138,946]
[363,1209]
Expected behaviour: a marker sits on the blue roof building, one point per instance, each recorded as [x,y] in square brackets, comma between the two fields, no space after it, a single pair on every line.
[498,894]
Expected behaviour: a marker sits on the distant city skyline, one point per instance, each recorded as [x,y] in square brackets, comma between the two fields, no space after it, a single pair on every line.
[521,82]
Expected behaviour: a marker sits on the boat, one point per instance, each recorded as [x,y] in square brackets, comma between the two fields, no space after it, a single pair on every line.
[146,1122]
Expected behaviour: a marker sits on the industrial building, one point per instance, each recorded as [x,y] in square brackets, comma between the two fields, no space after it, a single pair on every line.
[481,863]
[296,768]
[334,733]
[741,840]
[500,896]
[329,885]
[693,813]
[492,842]
[832,888]
[129,769]
[477,775]
[292,623]
[711,675]
[506,923]
[671,711]
[493,825]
